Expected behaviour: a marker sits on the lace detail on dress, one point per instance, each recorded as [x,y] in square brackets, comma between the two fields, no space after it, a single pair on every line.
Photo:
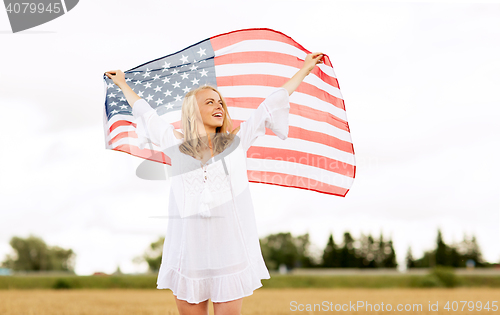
[216,179]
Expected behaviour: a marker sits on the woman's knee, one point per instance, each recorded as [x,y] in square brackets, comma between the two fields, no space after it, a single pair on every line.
[228,308]
[186,308]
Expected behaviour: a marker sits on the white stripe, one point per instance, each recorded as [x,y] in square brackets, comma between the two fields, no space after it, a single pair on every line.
[271,46]
[296,97]
[296,169]
[297,121]
[276,70]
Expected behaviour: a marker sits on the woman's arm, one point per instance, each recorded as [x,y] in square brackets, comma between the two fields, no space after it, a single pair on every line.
[309,64]
[118,78]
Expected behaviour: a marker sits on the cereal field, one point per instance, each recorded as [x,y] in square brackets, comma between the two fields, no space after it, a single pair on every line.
[263,301]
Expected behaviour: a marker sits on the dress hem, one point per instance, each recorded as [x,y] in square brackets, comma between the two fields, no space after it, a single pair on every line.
[217,289]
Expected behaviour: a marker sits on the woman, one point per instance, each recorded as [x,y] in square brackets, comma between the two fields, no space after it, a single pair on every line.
[212,250]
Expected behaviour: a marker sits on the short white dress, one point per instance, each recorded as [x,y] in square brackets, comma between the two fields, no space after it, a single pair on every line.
[211,248]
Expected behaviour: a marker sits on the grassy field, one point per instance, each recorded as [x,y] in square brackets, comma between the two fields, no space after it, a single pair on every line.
[276,281]
[264,301]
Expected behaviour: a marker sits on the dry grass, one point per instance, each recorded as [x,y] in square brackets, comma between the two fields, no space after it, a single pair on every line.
[263,301]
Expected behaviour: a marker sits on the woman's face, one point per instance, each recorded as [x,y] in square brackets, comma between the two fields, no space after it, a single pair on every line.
[210,104]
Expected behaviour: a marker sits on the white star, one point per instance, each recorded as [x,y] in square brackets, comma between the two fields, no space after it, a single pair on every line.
[178,98]
[177,84]
[170,106]
[110,85]
[149,98]
[159,101]
[128,79]
[186,89]
[138,82]
[201,52]
[184,76]
[123,99]
[123,106]
[193,67]
[140,93]
[156,77]
[114,111]
[204,73]
[136,73]
[158,88]
[166,65]
[195,81]
[148,85]
[184,59]
[166,79]
[112,95]
[175,71]
[113,104]
[167,93]
[146,74]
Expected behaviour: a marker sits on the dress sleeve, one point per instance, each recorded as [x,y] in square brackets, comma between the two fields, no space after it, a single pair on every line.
[149,125]
[272,113]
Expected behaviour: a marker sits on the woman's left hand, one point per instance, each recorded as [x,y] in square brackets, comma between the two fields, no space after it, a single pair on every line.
[311,61]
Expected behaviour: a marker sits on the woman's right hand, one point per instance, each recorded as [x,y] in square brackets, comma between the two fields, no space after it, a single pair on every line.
[117,76]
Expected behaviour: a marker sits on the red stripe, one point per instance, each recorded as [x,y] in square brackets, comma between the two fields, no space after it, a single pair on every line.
[288,180]
[231,38]
[276,81]
[295,109]
[120,123]
[272,57]
[311,136]
[319,161]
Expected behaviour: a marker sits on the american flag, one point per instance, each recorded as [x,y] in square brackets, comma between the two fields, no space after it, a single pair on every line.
[246,66]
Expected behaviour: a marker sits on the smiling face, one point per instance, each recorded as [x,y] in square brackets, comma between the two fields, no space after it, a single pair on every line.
[210,104]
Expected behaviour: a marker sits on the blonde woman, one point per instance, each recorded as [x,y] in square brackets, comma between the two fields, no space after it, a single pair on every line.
[211,249]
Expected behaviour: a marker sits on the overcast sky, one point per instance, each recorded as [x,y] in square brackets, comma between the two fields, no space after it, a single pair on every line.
[420,82]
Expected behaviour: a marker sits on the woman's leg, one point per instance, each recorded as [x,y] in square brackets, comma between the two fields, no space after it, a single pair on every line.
[186,308]
[228,308]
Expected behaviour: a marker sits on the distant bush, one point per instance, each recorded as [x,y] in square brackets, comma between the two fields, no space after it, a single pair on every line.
[61,284]
[446,275]
[429,281]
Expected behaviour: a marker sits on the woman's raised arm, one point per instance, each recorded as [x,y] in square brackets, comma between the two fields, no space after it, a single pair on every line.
[309,64]
[118,78]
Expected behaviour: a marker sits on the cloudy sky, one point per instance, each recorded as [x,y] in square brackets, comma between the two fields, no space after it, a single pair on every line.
[420,82]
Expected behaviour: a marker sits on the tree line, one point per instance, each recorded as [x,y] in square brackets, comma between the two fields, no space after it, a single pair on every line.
[33,254]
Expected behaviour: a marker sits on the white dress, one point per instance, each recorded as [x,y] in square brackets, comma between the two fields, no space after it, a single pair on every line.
[211,248]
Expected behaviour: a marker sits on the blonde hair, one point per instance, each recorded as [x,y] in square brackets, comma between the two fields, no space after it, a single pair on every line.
[193,144]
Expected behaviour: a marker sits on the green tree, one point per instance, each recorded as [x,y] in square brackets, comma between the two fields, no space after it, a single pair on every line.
[279,249]
[442,251]
[33,254]
[389,256]
[410,262]
[331,258]
[153,255]
[303,243]
[348,258]
[367,251]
